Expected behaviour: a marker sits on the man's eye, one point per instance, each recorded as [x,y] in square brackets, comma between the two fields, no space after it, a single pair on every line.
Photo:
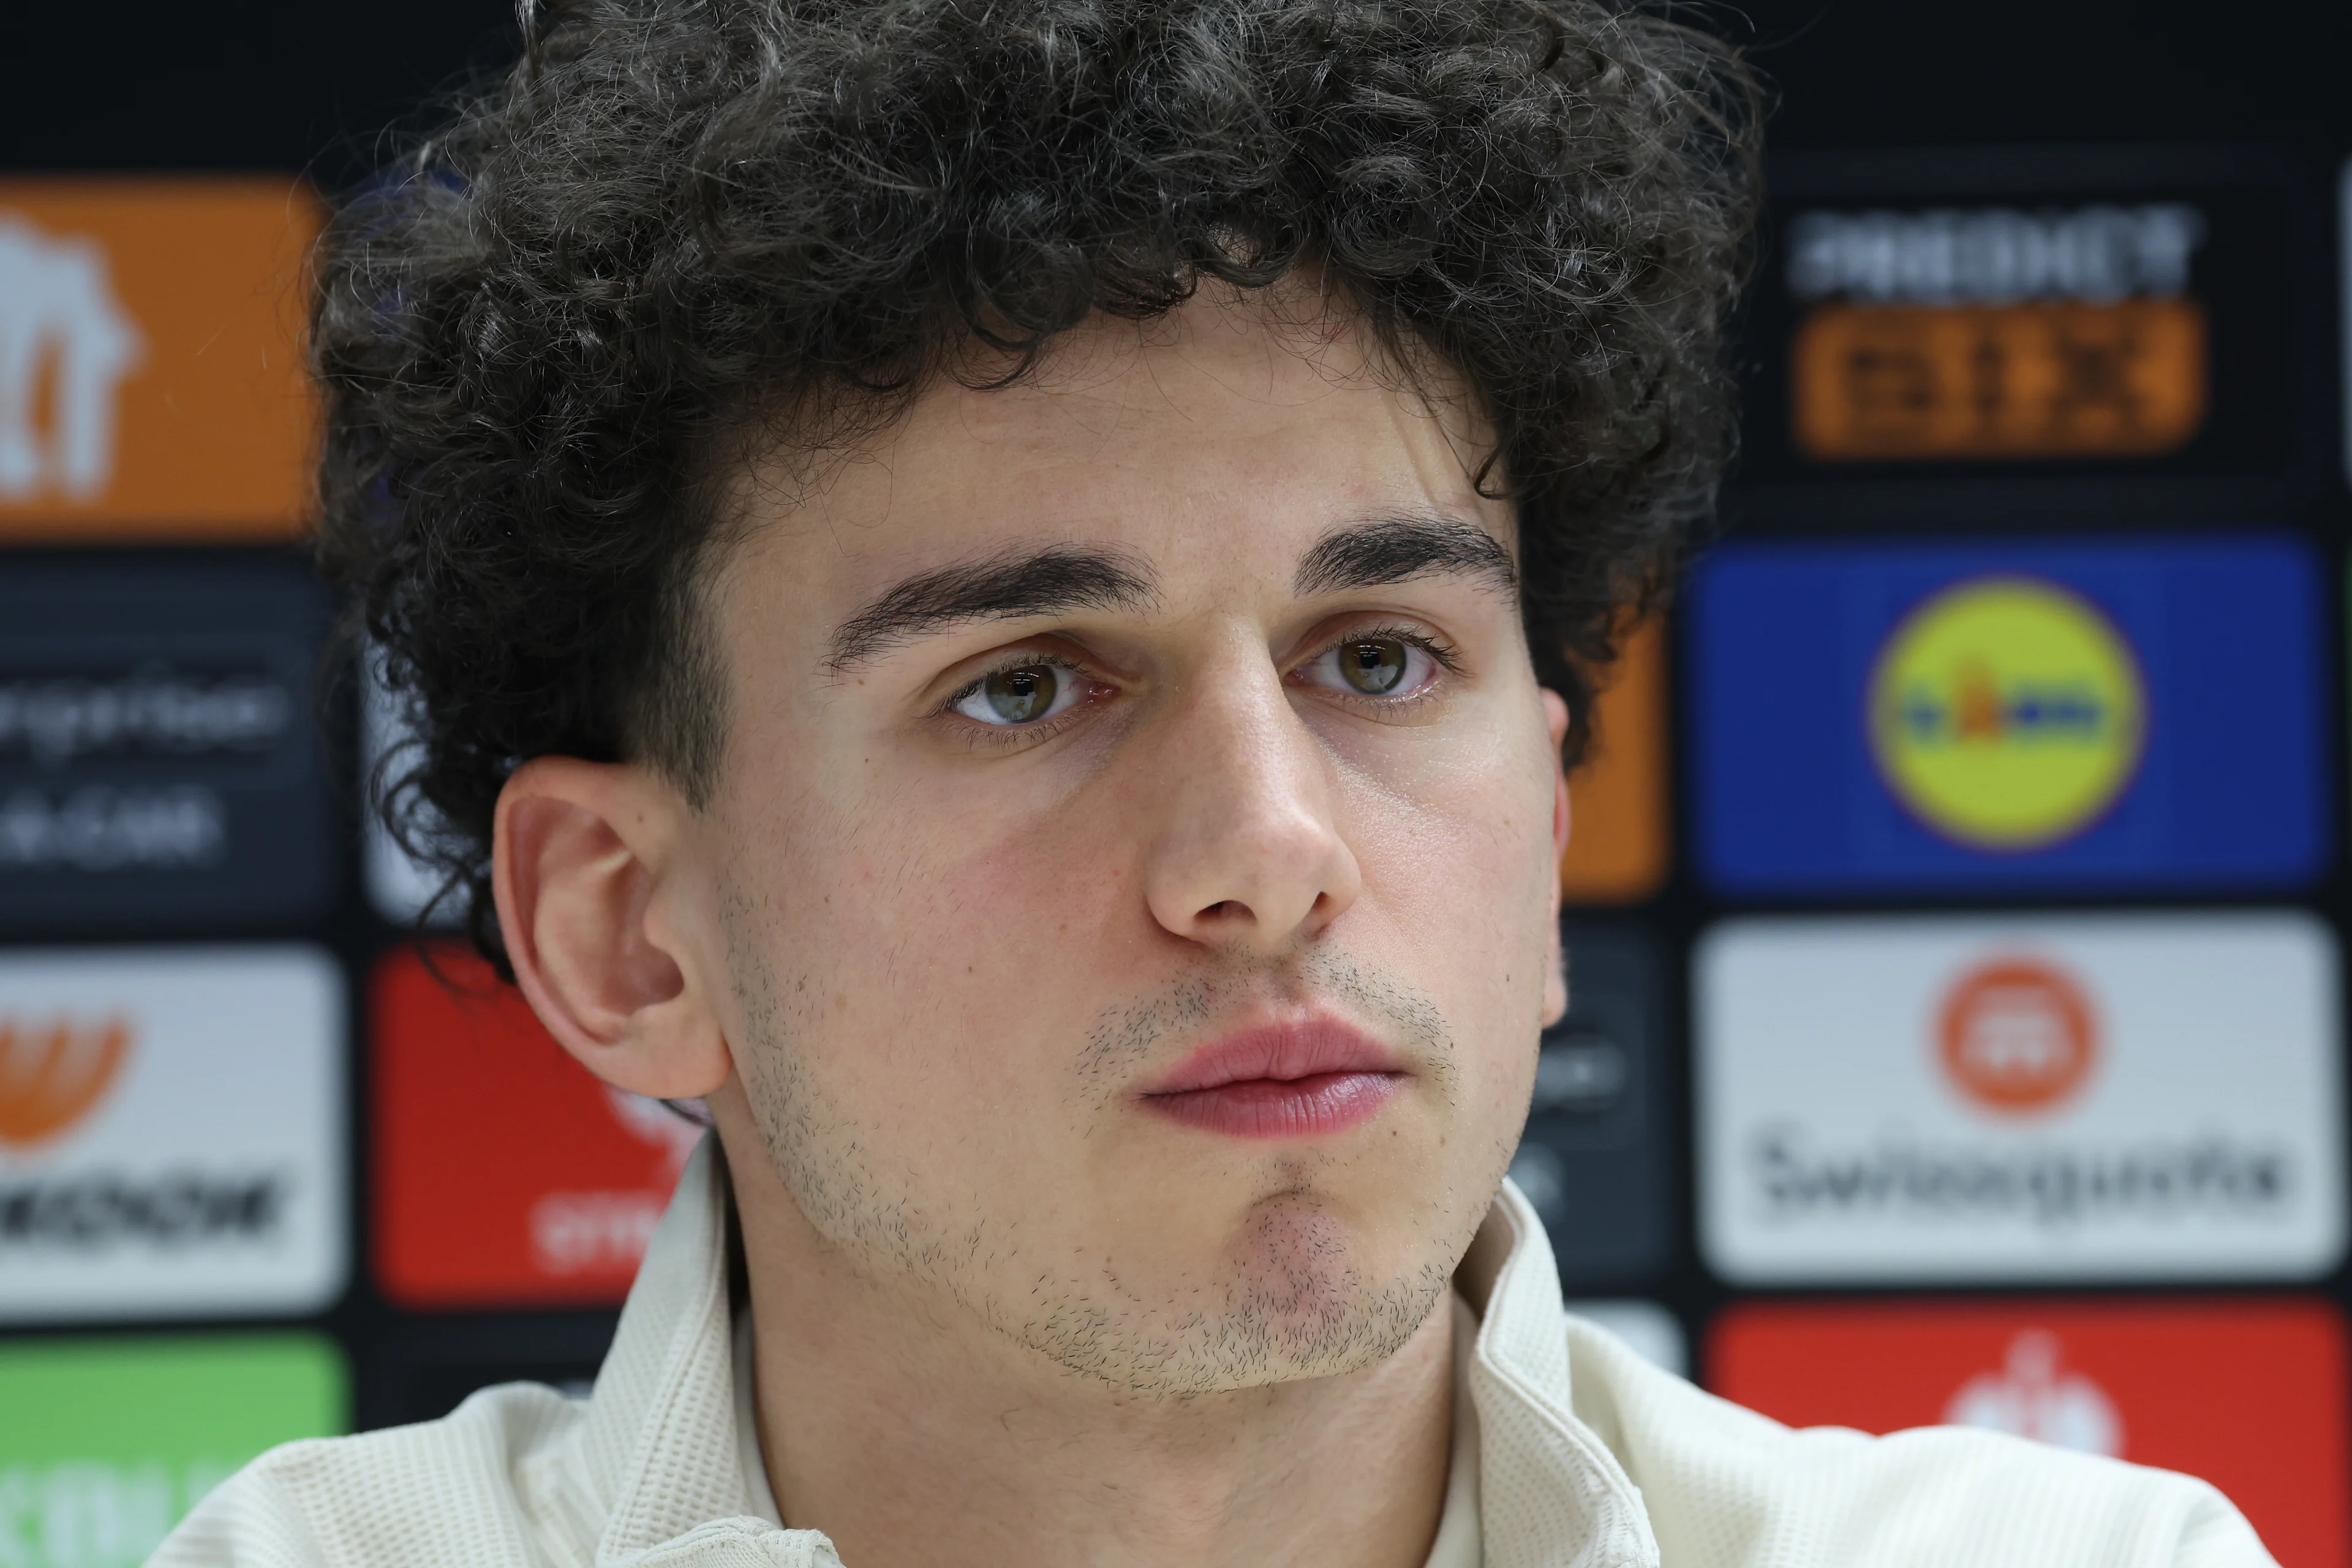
[1022,695]
[1374,667]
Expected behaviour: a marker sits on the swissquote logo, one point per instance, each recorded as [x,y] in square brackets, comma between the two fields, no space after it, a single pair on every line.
[65,344]
[2017,1036]
[170,1132]
[1983,1099]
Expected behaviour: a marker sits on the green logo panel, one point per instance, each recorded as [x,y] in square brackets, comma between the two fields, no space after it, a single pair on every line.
[105,1444]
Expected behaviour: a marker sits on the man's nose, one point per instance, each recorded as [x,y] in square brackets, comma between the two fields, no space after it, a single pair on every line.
[1249,848]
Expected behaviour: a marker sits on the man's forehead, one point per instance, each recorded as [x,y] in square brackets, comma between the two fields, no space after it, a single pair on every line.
[1196,450]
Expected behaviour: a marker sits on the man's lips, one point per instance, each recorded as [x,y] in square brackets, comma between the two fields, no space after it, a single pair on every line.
[1298,1080]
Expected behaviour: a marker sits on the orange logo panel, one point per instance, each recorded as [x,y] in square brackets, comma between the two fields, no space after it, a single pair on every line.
[151,383]
[2043,380]
[1617,800]
[505,1174]
[2017,1036]
[2248,1395]
[52,1075]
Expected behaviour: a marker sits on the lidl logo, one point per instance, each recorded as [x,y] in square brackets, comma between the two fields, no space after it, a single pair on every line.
[2017,1034]
[152,378]
[109,1443]
[2007,713]
[474,1206]
[2248,1395]
[53,1072]
[171,1133]
[1917,1100]
[1900,717]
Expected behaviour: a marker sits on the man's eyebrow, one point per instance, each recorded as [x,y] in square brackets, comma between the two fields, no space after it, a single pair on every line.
[1005,586]
[1399,547]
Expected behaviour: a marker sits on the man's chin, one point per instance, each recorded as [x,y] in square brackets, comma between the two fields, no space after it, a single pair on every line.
[1296,1297]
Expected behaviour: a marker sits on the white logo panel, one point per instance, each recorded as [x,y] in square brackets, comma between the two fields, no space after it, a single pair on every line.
[2017,1098]
[171,1133]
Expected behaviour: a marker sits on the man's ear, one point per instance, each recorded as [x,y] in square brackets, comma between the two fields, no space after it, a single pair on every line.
[594,890]
[1555,997]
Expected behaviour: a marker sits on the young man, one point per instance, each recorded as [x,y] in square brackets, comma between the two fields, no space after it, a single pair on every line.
[998,593]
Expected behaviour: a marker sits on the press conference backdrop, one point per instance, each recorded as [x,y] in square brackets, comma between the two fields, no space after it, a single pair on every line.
[1957,901]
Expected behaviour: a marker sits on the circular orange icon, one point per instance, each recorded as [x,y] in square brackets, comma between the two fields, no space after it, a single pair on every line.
[2017,1036]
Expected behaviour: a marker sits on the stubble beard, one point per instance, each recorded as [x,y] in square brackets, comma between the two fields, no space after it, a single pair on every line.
[1293,1304]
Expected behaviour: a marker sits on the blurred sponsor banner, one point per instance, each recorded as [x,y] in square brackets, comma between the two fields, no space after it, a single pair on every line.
[1594,1159]
[1900,717]
[474,1203]
[171,1133]
[1928,317]
[2112,1097]
[159,749]
[109,1442]
[2344,262]
[424,1369]
[2248,1395]
[152,375]
[1648,1329]
[1619,809]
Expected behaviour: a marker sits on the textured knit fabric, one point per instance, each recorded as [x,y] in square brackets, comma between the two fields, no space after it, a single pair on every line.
[1570,1452]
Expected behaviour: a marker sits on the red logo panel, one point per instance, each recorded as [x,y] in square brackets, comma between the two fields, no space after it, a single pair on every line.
[505,1174]
[2248,1395]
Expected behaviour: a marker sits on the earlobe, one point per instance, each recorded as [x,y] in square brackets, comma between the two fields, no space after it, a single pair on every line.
[588,869]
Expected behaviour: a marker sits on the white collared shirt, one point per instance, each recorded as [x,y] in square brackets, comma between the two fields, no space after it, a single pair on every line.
[1570,1451]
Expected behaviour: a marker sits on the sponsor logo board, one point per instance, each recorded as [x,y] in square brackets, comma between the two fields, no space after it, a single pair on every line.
[2248,1395]
[171,1133]
[1648,1329]
[109,1442]
[1931,316]
[159,757]
[427,1366]
[1618,807]
[1594,1160]
[152,374]
[1894,716]
[475,1206]
[2116,1097]
[1993,332]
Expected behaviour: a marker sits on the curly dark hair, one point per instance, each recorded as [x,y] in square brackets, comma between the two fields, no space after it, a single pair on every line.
[675,219]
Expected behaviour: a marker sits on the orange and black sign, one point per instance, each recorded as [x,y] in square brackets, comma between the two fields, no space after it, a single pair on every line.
[2016,317]
[152,378]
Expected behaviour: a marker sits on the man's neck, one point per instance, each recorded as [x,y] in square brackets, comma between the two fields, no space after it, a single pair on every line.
[913,1441]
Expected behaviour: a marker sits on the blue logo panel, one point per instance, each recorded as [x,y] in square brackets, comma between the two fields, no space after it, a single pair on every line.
[1886,718]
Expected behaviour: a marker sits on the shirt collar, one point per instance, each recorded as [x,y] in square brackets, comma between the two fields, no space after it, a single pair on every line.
[665,1461]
